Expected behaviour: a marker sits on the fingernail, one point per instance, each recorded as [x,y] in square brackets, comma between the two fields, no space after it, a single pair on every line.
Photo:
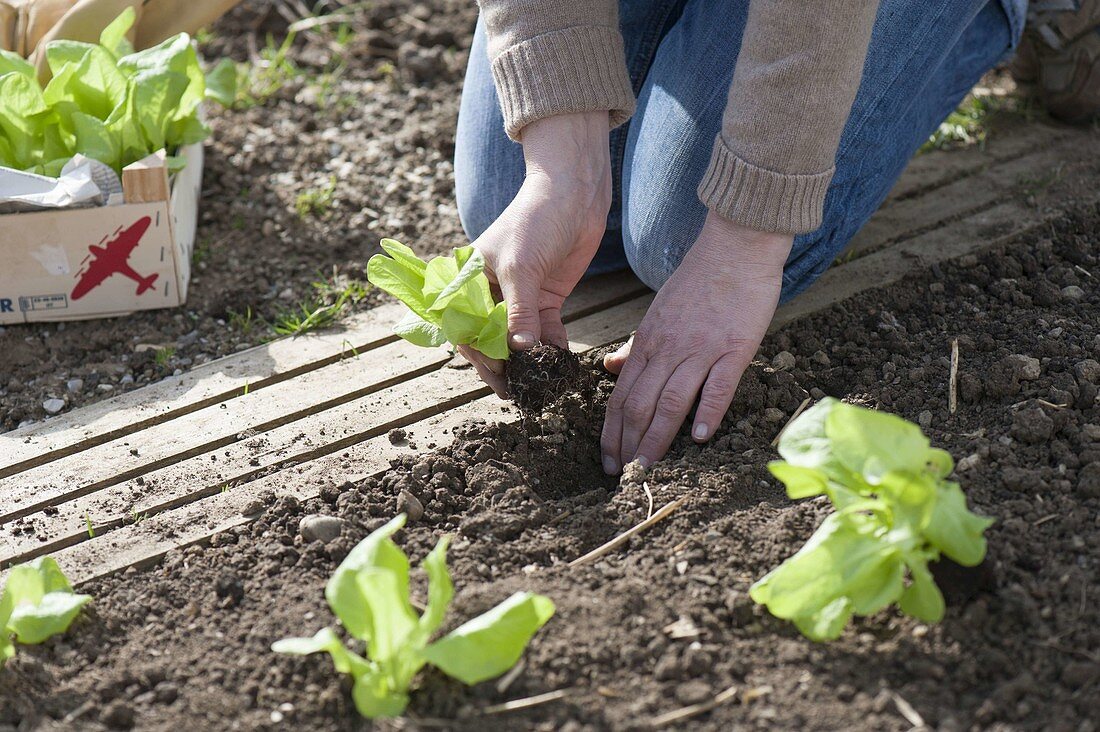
[643,461]
[610,466]
[523,340]
[700,432]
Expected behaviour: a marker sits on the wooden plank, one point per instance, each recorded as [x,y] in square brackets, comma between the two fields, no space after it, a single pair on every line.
[257,368]
[198,477]
[975,233]
[151,538]
[210,383]
[1009,139]
[147,541]
[914,216]
[214,427]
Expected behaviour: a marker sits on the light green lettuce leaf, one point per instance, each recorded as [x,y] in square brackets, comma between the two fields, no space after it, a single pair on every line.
[113,38]
[43,603]
[491,643]
[420,332]
[954,529]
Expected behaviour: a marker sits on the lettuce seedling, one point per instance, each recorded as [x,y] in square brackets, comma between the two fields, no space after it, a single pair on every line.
[37,603]
[369,592]
[449,298]
[105,101]
[895,512]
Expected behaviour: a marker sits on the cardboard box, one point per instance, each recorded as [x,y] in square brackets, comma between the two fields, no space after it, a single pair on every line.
[106,261]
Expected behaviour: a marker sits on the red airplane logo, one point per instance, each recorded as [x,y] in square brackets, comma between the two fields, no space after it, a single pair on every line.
[113,258]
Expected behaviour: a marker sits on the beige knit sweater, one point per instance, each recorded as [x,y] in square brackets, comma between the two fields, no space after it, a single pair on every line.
[796,77]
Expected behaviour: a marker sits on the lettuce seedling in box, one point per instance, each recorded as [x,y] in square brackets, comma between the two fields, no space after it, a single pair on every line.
[449,298]
[105,101]
[895,513]
[37,603]
[369,592]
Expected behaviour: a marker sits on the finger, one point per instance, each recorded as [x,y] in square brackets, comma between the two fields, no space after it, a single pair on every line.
[672,408]
[615,360]
[490,370]
[553,330]
[641,405]
[717,395]
[611,437]
[521,292]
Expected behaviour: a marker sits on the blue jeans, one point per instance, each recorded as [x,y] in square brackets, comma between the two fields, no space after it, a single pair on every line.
[924,57]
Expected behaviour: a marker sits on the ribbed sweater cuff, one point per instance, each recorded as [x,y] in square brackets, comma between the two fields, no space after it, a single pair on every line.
[579,69]
[762,199]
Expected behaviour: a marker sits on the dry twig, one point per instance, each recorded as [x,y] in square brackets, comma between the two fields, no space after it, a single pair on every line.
[801,408]
[621,538]
[953,384]
[694,710]
[531,701]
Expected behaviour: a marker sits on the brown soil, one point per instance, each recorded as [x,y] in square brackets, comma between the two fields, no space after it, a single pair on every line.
[665,621]
[541,375]
[380,132]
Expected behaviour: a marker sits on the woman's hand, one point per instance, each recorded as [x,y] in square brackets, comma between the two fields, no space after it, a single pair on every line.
[699,336]
[539,248]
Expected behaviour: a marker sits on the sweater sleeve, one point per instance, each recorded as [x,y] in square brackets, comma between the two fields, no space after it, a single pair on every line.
[797,75]
[552,57]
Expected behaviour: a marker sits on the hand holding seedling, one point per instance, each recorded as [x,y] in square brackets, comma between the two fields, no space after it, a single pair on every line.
[538,249]
[697,339]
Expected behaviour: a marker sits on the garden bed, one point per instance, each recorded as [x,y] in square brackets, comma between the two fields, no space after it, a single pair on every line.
[664,622]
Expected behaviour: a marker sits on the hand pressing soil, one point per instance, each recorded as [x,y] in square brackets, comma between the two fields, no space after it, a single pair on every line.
[539,376]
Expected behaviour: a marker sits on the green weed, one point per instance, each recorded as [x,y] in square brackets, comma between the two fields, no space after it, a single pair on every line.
[316,202]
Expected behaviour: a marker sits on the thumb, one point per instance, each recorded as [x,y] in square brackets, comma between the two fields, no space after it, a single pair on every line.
[521,292]
[614,361]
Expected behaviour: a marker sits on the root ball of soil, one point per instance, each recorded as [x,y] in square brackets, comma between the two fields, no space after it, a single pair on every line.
[538,376]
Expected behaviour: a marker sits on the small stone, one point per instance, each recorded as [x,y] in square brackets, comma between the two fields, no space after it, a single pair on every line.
[1032,425]
[166,692]
[693,692]
[1076,674]
[633,472]
[126,379]
[968,463]
[774,415]
[1026,367]
[410,505]
[1087,370]
[75,386]
[783,361]
[1091,432]
[118,715]
[287,294]
[667,668]
[820,358]
[276,716]
[924,419]
[1073,292]
[105,388]
[53,406]
[396,436]
[253,507]
[1088,481]
[316,527]
[267,228]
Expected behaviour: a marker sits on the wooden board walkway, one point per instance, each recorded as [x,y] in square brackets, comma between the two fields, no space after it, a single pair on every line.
[123,481]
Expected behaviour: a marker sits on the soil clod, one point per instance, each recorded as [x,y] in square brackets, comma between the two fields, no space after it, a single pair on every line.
[539,376]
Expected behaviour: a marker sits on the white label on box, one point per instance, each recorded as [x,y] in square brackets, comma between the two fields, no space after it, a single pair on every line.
[53,259]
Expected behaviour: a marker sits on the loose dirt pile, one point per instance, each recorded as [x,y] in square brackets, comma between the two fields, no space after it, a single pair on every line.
[665,621]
